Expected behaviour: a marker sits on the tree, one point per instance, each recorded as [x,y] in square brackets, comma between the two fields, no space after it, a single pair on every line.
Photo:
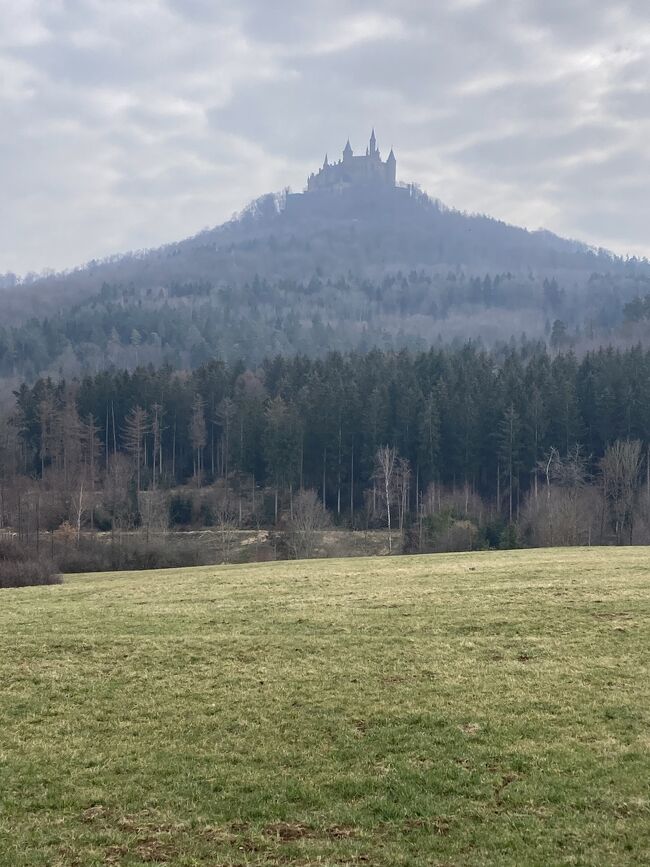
[198,436]
[67,439]
[157,431]
[620,468]
[281,445]
[136,427]
[90,448]
[153,507]
[558,334]
[225,524]
[402,489]
[46,416]
[225,417]
[565,515]
[509,452]
[428,437]
[386,463]
[308,519]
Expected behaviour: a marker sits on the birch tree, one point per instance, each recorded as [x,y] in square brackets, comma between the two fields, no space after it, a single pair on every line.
[385,473]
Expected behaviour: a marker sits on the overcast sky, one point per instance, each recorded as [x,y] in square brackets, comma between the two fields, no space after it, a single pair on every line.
[128,123]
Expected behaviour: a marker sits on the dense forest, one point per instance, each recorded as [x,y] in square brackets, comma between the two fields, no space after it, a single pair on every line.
[267,284]
[452,448]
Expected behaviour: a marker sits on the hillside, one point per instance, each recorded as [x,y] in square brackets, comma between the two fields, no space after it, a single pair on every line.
[407,272]
[461,709]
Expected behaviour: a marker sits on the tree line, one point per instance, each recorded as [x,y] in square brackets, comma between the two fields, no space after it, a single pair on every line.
[453,447]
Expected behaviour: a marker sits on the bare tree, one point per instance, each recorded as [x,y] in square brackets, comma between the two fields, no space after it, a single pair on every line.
[79,509]
[136,427]
[198,436]
[116,494]
[386,463]
[90,449]
[308,520]
[565,516]
[226,526]
[225,418]
[402,488]
[572,475]
[621,467]
[71,436]
[154,512]
[156,430]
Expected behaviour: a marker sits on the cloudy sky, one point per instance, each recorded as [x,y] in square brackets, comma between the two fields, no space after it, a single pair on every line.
[129,123]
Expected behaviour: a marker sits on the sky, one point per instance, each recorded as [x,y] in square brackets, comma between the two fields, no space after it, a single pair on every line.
[125,124]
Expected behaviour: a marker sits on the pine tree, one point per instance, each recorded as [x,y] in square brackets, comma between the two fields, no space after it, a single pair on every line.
[509,453]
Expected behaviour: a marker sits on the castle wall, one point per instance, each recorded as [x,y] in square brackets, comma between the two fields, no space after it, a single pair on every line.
[348,202]
[369,169]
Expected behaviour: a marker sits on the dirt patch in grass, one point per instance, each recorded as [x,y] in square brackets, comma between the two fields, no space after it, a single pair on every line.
[506,781]
[94,813]
[470,729]
[286,831]
[156,852]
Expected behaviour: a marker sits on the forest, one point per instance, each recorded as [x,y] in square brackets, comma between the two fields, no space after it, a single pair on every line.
[266,284]
[448,449]
[187,325]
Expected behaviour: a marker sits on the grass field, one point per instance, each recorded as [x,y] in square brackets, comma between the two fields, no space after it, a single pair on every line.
[461,709]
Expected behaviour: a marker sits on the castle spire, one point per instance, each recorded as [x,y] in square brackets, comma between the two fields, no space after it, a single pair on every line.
[391,168]
[347,150]
[373,142]
[325,164]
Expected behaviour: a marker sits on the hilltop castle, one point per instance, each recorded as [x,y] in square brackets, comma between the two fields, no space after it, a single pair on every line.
[355,187]
[368,170]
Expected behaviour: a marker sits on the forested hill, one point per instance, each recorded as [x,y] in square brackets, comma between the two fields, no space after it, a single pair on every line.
[277,279]
[271,242]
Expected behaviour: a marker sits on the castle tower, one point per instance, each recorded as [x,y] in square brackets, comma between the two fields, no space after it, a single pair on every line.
[347,151]
[391,168]
[373,143]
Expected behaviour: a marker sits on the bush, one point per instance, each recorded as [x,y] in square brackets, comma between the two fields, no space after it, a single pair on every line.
[180,511]
[20,568]
[131,553]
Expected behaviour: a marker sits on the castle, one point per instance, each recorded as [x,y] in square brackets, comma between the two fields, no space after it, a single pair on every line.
[350,171]
[355,187]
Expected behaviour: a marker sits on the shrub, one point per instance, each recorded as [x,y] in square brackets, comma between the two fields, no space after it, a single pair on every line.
[130,553]
[19,567]
[180,511]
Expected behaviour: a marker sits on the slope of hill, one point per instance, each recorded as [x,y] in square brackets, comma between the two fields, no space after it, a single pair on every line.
[400,272]
[457,709]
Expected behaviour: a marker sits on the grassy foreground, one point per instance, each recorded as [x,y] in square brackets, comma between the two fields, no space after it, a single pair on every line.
[455,709]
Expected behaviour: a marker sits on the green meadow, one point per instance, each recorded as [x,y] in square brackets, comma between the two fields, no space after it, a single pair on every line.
[463,709]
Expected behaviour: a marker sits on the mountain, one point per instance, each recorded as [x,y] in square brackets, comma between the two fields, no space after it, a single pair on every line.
[356,261]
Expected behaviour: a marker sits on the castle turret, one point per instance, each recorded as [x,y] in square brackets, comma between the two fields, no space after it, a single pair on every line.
[373,143]
[347,150]
[391,168]
[325,163]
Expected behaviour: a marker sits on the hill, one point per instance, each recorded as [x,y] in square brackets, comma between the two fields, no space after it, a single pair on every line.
[349,269]
[466,709]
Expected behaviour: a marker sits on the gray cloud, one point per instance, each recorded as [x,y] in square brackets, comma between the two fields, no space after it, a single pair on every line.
[135,122]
